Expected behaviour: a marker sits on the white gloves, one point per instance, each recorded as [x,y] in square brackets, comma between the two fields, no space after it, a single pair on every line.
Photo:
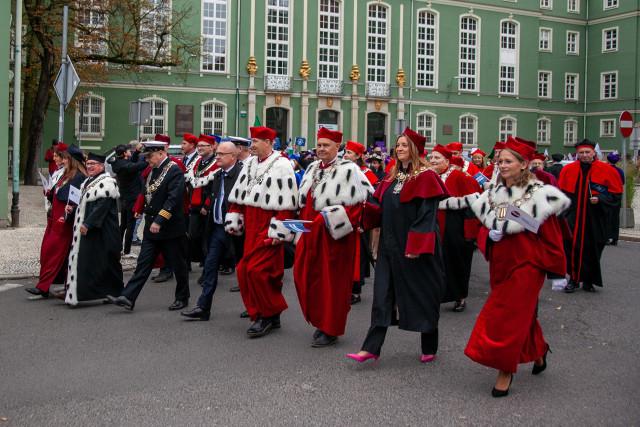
[495,235]
[558,284]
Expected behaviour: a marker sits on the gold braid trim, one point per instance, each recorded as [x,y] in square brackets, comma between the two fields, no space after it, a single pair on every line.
[165,214]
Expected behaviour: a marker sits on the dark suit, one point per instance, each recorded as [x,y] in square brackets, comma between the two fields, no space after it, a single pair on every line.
[130,185]
[218,240]
[555,170]
[165,209]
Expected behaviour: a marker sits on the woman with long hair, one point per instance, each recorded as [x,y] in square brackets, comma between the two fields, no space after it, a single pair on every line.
[409,267]
[479,158]
[507,331]
[59,232]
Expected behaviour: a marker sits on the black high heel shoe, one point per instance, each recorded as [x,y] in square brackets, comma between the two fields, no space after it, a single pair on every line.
[537,369]
[501,393]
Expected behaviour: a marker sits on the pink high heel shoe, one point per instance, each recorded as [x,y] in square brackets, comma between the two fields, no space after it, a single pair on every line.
[425,358]
[365,357]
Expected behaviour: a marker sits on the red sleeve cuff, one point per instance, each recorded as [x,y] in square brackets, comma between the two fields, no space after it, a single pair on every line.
[421,243]
[483,239]
[371,216]
[471,228]
[139,206]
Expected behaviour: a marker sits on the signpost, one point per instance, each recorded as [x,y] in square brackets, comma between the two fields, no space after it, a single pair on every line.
[626,127]
[139,113]
[67,80]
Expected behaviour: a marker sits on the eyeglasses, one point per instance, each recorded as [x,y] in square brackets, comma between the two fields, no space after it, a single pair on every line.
[89,164]
[222,154]
[203,145]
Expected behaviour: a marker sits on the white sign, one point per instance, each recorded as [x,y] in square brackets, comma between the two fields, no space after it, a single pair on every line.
[74,195]
[73,81]
[328,127]
[522,218]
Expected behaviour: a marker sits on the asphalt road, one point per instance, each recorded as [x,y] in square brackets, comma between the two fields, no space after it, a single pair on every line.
[101,365]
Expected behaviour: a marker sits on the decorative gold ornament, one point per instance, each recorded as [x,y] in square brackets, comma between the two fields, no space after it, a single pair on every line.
[278,98]
[355,73]
[305,70]
[401,79]
[378,104]
[252,66]
[329,102]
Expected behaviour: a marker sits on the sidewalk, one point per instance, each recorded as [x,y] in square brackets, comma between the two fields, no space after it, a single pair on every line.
[20,248]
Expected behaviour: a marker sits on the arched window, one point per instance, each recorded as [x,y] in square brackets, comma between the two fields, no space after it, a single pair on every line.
[507,128]
[544,131]
[570,132]
[158,120]
[426,126]
[278,120]
[213,118]
[468,132]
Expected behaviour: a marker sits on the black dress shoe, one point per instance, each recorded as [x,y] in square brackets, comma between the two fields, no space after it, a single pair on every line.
[234,289]
[179,305]
[275,321]
[459,306]
[614,243]
[317,334]
[324,340]
[136,243]
[36,291]
[162,277]
[572,286]
[197,313]
[122,301]
[355,299]
[537,369]
[244,314]
[587,287]
[501,393]
[260,327]
[226,271]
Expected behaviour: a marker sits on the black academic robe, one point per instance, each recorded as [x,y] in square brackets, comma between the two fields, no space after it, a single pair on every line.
[94,260]
[409,225]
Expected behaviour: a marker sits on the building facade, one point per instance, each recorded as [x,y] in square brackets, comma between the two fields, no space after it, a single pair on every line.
[554,71]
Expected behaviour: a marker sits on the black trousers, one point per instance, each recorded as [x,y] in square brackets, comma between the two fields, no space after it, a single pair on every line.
[127,224]
[375,338]
[173,249]
[219,245]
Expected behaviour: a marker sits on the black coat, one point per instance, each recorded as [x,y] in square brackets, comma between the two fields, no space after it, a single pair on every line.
[555,170]
[128,177]
[166,201]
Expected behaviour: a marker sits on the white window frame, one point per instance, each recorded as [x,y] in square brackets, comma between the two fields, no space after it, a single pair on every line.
[203,119]
[576,86]
[575,43]
[546,4]
[463,85]
[570,142]
[427,131]
[91,136]
[549,47]
[503,132]
[474,132]
[288,28]
[96,23]
[427,43]
[509,58]
[379,73]
[612,85]
[547,131]
[614,40]
[326,63]
[214,37]
[548,84]
[147,34]
[610,4]
[575,8]
[165,118]
[612,123]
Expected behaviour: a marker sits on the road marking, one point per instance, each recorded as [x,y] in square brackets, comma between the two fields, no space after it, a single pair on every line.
[8,286]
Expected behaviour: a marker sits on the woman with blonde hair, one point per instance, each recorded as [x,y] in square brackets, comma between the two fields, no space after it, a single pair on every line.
[479,158]
[409,267]
[59,232]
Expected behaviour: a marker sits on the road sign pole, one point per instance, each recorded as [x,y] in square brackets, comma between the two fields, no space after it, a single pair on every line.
[80,123]
[138,122]
[65,70]
[624,187]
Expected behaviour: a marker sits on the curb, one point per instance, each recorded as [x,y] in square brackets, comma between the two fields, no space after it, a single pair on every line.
[629,238]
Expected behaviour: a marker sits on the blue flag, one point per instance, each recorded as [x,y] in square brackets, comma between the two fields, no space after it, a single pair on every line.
[296,225]
[480,178]
[300,142]
[276,144]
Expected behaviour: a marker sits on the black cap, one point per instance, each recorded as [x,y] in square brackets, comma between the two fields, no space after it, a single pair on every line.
[557,157]
[239,141]
[121,149]
[585,142]
[76,153]
[96,157]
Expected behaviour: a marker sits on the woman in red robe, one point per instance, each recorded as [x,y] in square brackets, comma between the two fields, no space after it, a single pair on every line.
[507,331]
[59,232]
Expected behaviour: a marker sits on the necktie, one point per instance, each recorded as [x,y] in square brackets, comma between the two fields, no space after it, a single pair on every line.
[220,198]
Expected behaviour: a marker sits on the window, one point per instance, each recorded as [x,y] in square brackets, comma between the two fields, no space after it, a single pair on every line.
[213,118]
[427,50]
[426,127]
[214,35]
[329,42]
[92,123]
[508,58]
[468,129]
[610,4]
[544,84]
[608,85]
[278,37]
[607,128]
[570,87]
[507,128]
[155,30]
[11,108]
[377,44]
[573,6]
[546,4]
[545,39]
[469,30]
[544,131]
[507,80]
[91,29]
[157,120]
[573,42]
[610,39]
[570,132]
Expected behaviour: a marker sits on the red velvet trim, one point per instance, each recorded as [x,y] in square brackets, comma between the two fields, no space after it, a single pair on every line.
[373,179]
[138,207]
[421,243]
[426,185]
[146,172]
[196,197]
[183,168]
[371,216]
[488,171]
[471,228]
[599,173]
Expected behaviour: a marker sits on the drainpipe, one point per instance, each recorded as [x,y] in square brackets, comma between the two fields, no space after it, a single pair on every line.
[238,66]
[586,69]
[411,70]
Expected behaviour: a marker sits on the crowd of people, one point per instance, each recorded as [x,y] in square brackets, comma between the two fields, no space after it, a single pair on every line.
[330,214]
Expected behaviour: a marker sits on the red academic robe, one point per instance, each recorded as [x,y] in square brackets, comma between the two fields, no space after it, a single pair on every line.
[488,171]
[507,331]
[324,271]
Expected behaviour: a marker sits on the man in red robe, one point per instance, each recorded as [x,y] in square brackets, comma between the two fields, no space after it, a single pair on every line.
[456,150]
[264,195]
[497,148]
[332,191]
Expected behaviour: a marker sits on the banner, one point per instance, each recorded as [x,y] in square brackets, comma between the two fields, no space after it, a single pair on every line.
[300,142]
[296,225]
[480,178]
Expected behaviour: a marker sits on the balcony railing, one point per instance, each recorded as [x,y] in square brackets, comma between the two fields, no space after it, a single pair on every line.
[381,90]
[330,86]
[273,82]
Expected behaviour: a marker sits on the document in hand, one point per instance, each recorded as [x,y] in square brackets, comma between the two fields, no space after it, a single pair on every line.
[522,218]
[74,195]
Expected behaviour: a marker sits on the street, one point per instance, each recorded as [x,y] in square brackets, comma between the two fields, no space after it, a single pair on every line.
[101,365]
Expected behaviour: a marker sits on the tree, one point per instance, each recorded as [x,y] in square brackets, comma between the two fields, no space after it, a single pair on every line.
[107,39]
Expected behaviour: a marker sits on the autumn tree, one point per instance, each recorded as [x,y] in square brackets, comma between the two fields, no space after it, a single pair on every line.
[107,39]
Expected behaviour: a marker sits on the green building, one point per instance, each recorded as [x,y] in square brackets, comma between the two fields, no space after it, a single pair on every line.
[553,71]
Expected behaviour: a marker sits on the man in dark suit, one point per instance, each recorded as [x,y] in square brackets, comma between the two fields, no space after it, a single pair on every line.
[164,230]
[219,241]
[556,167]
